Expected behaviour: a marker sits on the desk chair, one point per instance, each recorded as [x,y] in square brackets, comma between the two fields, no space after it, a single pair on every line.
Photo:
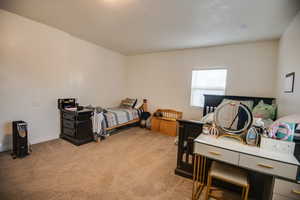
[229,174]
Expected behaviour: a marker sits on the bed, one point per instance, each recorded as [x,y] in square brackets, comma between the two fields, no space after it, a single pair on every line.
[113,118]
[118,117]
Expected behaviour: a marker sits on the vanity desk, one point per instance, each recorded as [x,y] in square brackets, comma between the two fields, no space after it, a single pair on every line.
[272,174]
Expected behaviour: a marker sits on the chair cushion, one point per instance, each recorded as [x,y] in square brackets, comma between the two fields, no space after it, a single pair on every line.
[229,174]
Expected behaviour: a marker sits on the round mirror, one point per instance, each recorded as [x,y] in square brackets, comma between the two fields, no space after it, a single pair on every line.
[233,117]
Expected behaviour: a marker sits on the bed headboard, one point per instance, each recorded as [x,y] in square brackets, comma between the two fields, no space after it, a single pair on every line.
[212,101]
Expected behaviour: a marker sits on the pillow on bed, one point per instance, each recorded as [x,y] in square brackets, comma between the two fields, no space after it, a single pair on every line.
[208,118]
[139,103]
[128,103]
[264,111]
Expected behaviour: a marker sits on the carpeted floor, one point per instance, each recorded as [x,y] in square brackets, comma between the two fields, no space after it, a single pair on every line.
[135,164]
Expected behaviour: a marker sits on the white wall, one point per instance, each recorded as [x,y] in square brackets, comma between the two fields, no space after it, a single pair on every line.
[289,61]
[39,64]
[165,78]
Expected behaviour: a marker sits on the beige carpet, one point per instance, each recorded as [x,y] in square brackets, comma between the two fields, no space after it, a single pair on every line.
[135,164]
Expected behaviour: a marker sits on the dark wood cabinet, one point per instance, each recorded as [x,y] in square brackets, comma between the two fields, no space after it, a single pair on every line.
[188,130]
[76,126]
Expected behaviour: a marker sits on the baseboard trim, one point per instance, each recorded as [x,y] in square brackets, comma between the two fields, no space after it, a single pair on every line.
[7,147]
[4,147]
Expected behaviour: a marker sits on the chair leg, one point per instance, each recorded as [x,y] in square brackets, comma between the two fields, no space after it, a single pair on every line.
[208,187]
[246,193]
[243,193]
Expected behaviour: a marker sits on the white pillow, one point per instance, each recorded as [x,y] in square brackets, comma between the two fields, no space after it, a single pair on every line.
[290,119]
[139,103]
[208,119]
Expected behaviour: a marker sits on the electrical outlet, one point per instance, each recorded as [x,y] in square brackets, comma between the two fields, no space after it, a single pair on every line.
[277,145]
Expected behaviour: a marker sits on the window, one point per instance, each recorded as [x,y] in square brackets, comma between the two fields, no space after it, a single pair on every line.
[211,81]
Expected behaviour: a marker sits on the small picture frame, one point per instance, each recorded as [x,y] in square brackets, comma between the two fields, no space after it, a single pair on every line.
[289,82]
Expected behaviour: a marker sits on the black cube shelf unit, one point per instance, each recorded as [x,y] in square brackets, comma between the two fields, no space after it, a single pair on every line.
[188,131]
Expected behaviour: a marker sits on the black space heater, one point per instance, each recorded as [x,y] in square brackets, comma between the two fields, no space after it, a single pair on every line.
[20,139]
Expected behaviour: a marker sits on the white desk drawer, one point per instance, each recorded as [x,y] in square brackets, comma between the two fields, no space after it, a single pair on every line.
[287,189]
[268,166]
[279,197]
[217,153]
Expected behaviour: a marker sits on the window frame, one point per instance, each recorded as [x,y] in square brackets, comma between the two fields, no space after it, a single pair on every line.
[206,69]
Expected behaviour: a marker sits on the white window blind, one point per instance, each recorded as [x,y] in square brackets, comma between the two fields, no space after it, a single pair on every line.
[207,82]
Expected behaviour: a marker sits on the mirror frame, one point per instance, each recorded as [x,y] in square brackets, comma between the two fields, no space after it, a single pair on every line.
[233,132]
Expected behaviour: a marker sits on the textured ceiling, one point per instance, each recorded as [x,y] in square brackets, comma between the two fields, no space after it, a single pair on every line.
[140,26]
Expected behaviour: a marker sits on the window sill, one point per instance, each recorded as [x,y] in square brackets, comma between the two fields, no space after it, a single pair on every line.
[198,107]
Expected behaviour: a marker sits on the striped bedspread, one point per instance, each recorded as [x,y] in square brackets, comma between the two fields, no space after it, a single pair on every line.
[117,116]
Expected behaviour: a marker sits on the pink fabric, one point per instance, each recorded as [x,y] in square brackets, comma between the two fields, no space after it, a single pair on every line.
[290,119]
[275,127]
